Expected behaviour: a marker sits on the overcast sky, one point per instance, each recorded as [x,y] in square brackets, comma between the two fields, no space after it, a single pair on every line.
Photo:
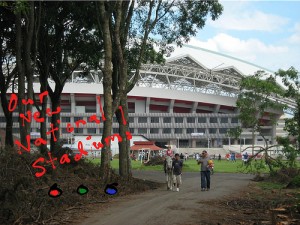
[266,33]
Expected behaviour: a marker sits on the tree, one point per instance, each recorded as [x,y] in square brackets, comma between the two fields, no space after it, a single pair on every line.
[235,133]
[26,28]
[257,96]
[127,24]
[7,64]
[290,79]
[67,39]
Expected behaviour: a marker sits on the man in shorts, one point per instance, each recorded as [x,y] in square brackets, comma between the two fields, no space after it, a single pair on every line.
[177,171]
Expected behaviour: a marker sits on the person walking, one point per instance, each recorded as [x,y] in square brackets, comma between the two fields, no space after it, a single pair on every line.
[205,171]
[219,157]
[177,171]
[168,168]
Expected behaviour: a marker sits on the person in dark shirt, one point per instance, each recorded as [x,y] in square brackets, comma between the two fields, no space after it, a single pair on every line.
[219,157]
[177,171]
[181,157]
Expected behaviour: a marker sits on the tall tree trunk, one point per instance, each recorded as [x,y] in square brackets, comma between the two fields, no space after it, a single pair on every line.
[21,77]
[4,103]
[28,66]
[43,126]
[9,141]
[124,146]
[104,16]
[55,136]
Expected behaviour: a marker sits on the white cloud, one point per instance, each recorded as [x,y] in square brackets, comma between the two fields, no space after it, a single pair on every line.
[238,16]
[295,37]
[247,49]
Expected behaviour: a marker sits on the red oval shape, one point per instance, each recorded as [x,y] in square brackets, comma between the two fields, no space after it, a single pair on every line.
[54,193]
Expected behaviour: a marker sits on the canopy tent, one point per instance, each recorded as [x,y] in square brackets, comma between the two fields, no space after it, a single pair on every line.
[141,149]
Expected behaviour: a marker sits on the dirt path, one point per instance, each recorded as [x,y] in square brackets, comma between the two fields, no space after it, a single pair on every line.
[160,206]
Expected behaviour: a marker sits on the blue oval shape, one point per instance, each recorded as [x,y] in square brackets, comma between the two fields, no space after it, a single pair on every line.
[111,191]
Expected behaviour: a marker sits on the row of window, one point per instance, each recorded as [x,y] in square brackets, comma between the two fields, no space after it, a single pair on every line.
[152,119]
[188,120]
[153,130]
[180,130]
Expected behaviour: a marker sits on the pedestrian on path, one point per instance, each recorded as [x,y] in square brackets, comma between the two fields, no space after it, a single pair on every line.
[205,171]
[168,168]
[177,171]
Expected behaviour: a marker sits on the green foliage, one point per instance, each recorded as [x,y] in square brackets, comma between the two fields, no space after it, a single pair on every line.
[289,151]
[256,97]
[296,181]
[270,185]
[235,132]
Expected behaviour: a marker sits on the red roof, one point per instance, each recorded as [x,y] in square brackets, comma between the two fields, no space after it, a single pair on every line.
[144,145]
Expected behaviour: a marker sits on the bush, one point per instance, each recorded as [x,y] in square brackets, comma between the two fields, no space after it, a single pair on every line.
[295,183]
[156,160]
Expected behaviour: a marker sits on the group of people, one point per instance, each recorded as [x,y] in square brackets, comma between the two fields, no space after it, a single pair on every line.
[173,170]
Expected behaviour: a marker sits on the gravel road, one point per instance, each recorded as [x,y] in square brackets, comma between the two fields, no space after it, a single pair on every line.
[162,207]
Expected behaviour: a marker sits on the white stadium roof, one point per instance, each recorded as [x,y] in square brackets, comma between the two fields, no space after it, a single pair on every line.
[215,61]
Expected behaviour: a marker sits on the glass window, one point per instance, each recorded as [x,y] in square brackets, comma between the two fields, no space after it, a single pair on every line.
[64,130]
[2,119]
[131,130]
[154,119]
[201,119]
[213,120]
[212,130]
[191,120]
[115,120]
[154,130]
[201,130]
[78,130]
[142,120]
[115,130]
[66,119]
[189,130]
[167,131]
[167,119]
[15,130]
[15,119]
[223,130]
[91,130]
[178,119]
[178,130]
[76,118]
[224,120]
[131,119]
[234,120]
[142,131]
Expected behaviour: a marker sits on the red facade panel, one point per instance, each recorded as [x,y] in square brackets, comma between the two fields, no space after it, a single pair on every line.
[162,108]
[181,110]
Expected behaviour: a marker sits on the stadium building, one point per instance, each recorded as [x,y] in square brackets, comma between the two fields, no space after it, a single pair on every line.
[190,101]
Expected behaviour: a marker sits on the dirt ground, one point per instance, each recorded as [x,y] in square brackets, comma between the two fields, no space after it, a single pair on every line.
[233,199]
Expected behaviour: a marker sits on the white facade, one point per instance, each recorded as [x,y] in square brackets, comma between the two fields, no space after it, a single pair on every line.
[168,104]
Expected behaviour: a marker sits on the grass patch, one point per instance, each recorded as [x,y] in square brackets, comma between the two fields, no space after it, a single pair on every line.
[270,185]
[190,165]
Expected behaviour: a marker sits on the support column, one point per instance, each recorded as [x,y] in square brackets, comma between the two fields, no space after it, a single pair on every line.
[147,104]
[194,108]
[194,141]
[171,106]
[217,108]
[73,103]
